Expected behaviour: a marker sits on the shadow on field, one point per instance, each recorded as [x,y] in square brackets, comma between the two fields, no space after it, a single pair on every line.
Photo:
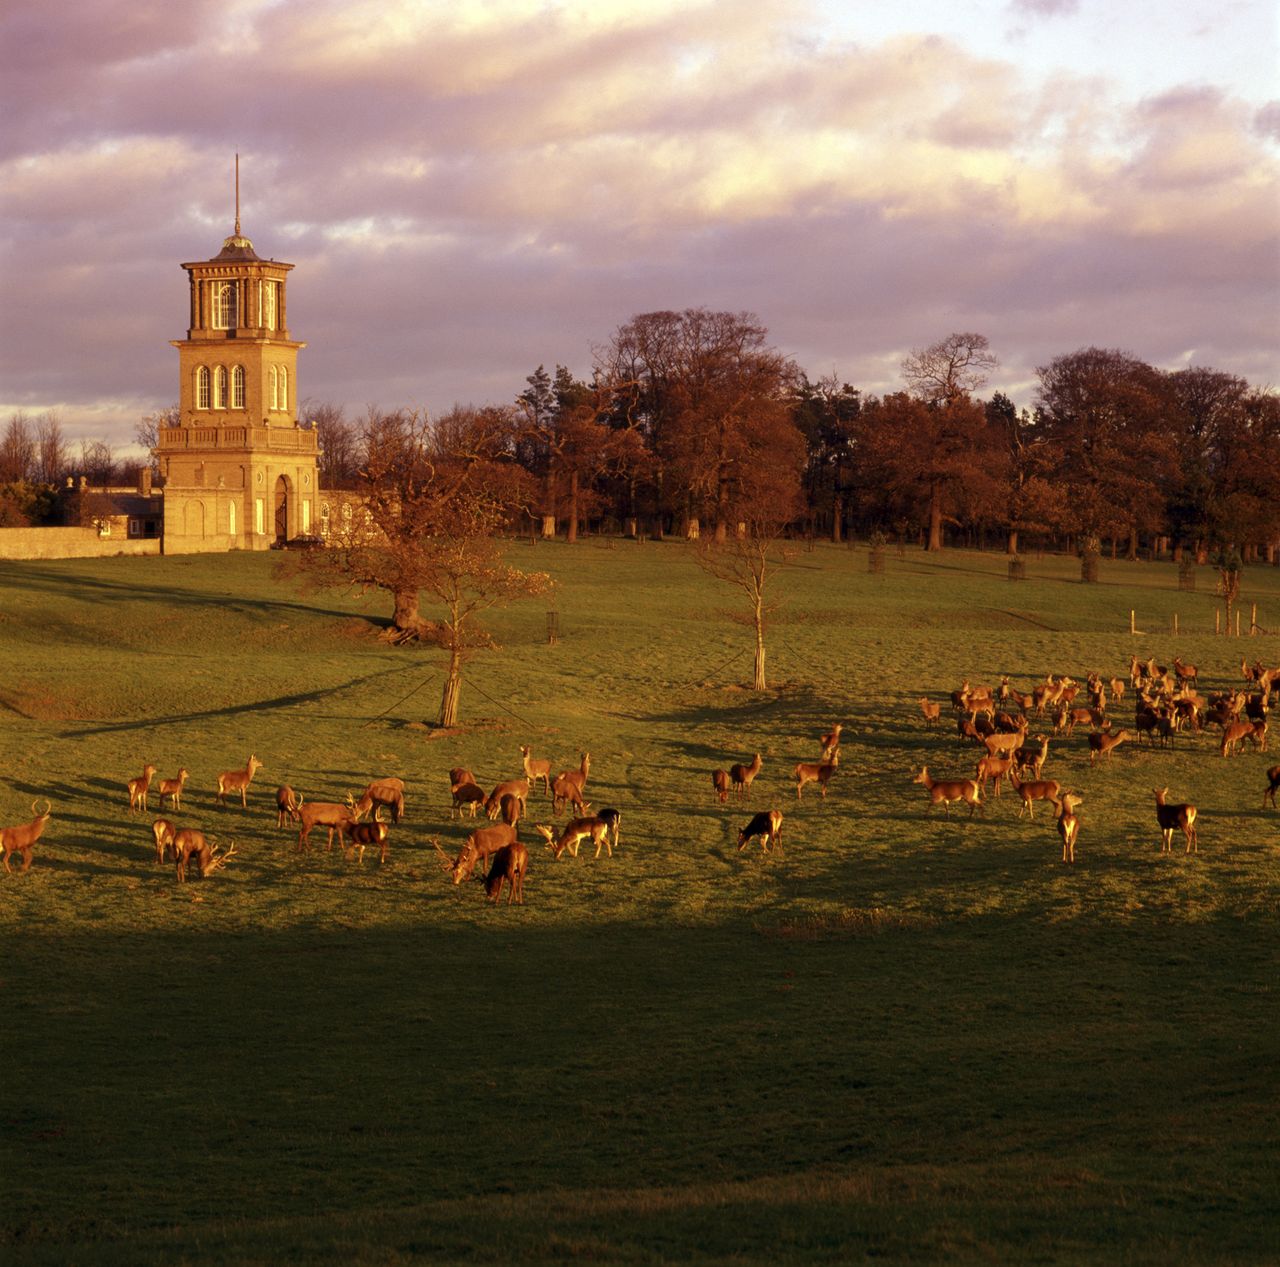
[80,586]
[255,706]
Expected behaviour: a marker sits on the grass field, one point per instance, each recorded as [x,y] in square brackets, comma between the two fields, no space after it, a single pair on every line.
[900,1037]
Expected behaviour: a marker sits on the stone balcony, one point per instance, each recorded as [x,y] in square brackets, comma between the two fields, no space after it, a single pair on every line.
[260,439]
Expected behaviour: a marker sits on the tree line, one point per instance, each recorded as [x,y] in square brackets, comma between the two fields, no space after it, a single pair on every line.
[693,417]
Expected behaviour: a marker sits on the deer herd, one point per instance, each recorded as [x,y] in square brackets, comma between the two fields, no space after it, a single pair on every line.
[998,721]
[1166,704]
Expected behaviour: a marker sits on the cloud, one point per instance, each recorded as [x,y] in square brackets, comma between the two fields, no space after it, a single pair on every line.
[1045,8]
[504,184]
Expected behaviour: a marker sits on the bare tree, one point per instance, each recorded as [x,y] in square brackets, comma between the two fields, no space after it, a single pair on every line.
[147,431]
[17,450]
[339,444]
[98,462]
[953,367]
[51,449]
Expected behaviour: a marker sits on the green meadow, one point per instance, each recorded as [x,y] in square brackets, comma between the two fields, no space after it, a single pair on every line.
[900,1037]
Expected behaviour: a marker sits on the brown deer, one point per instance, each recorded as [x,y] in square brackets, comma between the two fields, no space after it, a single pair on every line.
[1005,745]
[509,865]
[819,774]
[945,791]
[993,770]
[138,789]
[767,825]
[1101,743]
[359,836]
[478,848]
[172,788]
[287,802]
[830,742]
[932,712]
[1175,818]
[468,796]
[1034,790]
[22,838]
[511,809]
[1031,759]
[163,832]
[1117,689]
[569,785]
[327,814]
[512,787]
[1233,736]
[742,776]
[389,792]
[1273,778]
[460,775]
[593,828]
[720,784]
[536,769]
[1069,825]
[188,844]
[1184,672]
[238,781]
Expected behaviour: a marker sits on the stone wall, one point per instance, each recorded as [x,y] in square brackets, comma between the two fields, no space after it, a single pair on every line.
[71,543]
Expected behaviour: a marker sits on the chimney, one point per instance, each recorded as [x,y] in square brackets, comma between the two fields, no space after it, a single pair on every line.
[144,481]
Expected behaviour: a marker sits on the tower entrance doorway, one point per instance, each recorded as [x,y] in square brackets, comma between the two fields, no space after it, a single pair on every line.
[282,510]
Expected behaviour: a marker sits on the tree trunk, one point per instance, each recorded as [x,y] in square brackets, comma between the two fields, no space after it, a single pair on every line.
[573,507]
[452,689]
[837,519]
[1133,544]
[935,518]
[1012,546]
[406,614]
[757,682]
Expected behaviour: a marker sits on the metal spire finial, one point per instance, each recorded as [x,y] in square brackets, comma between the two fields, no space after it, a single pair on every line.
[237,195]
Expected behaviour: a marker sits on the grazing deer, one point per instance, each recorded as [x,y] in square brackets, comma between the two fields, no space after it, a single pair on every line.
[138,789]
[536,769]
[512,787]
[1069,825]
[389,792]
[509,865]
[767,825]
[1035,790]
[172,788]
[327,814]
[932,712]
[1031,759]
[188,844]
[944,792]
[967,728]
[742,776]
[720,783]
[478,848]
[830,743]
[1174,818]
[593,828]
[467,796]
[359,836]
[238,781]
[459,776]
[511,808]
[22,838]
[1233,736]
[819,774]
[163,832]
[993,770]
[569,786]
[1101,743]
[1273,778]
[287,802]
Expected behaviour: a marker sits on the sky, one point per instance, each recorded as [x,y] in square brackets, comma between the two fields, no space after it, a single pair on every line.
[468,190]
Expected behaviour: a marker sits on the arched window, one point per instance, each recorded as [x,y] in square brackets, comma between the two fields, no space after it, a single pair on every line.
[284,388]
[220,387]
[202,387]
[224,305]
[271,393]
[237,387]
[267,312]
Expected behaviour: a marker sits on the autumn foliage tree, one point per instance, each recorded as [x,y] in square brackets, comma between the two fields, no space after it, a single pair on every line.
[433,496]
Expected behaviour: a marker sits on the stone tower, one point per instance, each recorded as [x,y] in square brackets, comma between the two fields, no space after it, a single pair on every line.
[238,470]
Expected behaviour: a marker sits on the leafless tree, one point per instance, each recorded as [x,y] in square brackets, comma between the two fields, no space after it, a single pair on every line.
[17,450]
[51,449]
[953,367]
